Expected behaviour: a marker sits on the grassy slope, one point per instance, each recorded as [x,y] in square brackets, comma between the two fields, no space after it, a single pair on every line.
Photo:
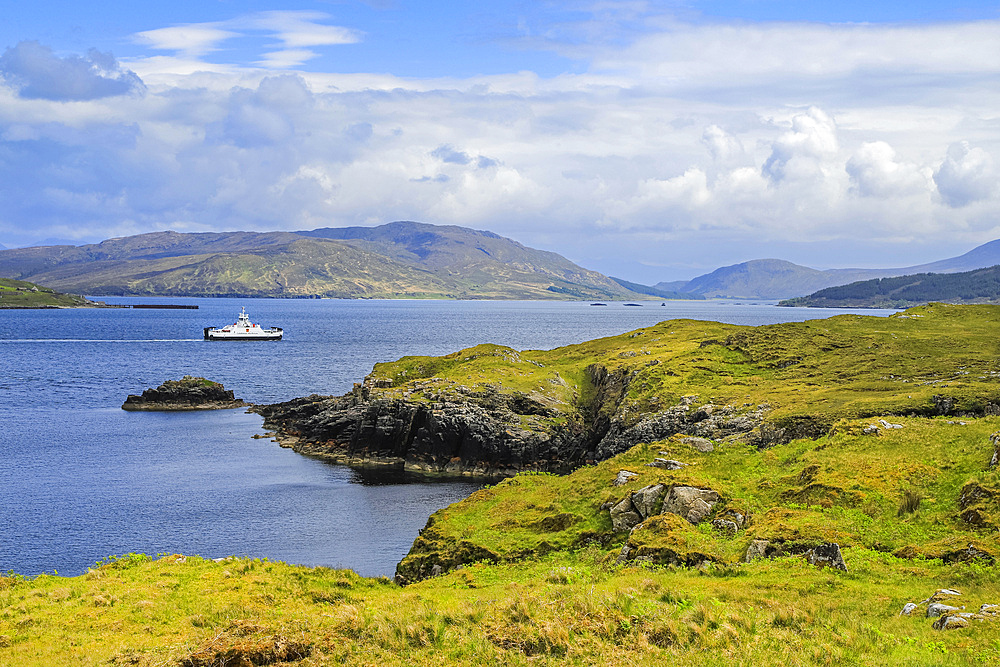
[541,585]
[21,294]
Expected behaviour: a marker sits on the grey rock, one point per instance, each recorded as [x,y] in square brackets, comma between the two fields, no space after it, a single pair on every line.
[871,429]
[692,503]
[624,516]
[666,464]
[990,610]
[938,609]
[888,425]
[950,622]
[762,549]
[725,526]
[827,555]
[623,477]
[908,609]
[645,499]
[436,570]
[735,517]
[703,445]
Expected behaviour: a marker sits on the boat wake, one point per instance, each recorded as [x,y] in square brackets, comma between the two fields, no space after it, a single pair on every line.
[101,340]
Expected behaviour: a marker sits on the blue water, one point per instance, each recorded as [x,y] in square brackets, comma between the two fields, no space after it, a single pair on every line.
[81,479]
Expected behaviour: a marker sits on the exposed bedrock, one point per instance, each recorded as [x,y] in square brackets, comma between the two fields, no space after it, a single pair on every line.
[188,393]
[487,432]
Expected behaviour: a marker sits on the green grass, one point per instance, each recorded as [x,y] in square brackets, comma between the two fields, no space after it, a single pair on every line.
[21,294]
[567,608]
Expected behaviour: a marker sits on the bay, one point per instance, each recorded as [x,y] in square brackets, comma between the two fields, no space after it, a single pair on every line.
[82,479]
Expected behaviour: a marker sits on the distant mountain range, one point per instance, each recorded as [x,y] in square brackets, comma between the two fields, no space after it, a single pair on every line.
[396,260]
[778,279]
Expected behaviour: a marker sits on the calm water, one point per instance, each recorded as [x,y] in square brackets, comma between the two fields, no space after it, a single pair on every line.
[82,479]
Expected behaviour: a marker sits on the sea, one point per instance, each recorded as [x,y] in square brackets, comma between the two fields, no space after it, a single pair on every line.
[82,480]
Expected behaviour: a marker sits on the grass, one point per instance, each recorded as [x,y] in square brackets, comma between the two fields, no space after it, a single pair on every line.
[570,608]
[21,294]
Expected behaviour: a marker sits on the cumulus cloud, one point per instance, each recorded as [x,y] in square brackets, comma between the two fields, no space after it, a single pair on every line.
[967,175]
[875,171]
[37,73]
[800,152]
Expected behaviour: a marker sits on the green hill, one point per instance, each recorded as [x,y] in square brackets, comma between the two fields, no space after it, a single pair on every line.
[979,286]
[21,294]
[397,260]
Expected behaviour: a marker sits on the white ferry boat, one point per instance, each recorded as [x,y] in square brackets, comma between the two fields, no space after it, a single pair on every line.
[243,329]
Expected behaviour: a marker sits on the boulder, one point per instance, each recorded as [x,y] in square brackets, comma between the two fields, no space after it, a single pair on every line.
[950,622]
[908,609]
[645,499]
[826,555]
[692,503]
[703,445]
[939,609]
[624,516]
[666,464]
[762,549]
[725,526]
[636,507]
[623,477]
[990,610]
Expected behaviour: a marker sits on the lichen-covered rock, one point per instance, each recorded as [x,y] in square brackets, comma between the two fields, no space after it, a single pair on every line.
[759,549]
[636,507]
[826,555]
[188,393]
[624,516]
[703,445]
[939,609]
[623,477]
[950,622]
[666,464]
[725,526]
[908,609]
[692,503]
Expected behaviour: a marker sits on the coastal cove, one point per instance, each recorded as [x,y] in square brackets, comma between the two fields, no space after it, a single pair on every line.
[83,479]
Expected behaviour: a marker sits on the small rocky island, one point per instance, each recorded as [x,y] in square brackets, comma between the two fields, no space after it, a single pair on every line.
[188,393]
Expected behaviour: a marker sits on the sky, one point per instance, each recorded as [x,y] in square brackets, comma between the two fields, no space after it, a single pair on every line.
[649,140]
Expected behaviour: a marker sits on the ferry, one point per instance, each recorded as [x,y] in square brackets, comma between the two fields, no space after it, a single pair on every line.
[243,329]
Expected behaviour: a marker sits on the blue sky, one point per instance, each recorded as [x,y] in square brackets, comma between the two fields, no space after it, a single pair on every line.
[648,140]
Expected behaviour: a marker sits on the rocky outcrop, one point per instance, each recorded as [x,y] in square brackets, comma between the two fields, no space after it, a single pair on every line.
[462,433]
[443,428]
[188,393]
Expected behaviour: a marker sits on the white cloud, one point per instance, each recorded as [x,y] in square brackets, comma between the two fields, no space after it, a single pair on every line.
[875,172]
[670,138]
[295,30]
[191,41]
[967,175]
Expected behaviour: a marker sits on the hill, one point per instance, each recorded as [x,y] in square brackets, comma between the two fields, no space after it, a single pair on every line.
[979,286]
[778,279]
[21,294]
[768,495]
[397,260]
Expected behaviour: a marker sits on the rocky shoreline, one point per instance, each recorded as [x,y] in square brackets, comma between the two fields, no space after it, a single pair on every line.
[487,433]
[188,393]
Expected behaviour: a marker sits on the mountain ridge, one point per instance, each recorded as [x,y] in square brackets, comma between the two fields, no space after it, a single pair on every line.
[781,279]
[402,259]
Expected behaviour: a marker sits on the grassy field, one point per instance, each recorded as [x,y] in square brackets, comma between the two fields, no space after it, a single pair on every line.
[531,571]
[21,294]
